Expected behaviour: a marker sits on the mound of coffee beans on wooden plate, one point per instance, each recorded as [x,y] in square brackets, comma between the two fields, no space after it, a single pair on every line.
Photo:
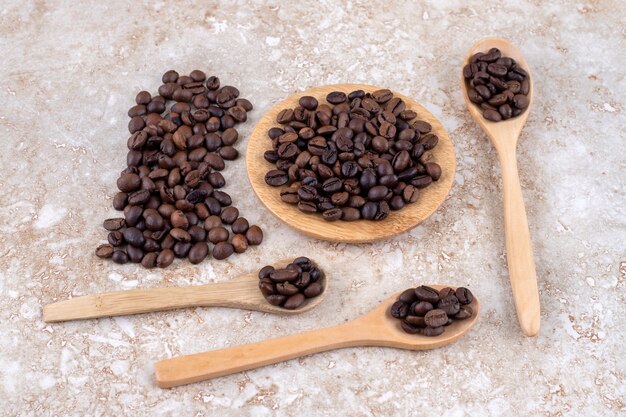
[170,191]
[426,311]
[290,286]
[357,157]
[497,84]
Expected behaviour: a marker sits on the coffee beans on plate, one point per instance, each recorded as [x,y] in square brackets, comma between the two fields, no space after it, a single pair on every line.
[356,156]
[426,311]
[289,287]
[497,84]
[170,192]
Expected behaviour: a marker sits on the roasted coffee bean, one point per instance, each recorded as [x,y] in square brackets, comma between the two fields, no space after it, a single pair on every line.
[422,307]
[408,296]
[294,301]
[119,257]
[229,215]
[165,258]
[332,214]
[104,251]
[198,252]
[114,223]
[181,249]
[240,243]
[399,309]
[149,260]
[415,321]
[450,304]
[254,235]
[222,250]
[409,328]
[465,312]
[283,275]
[436,318]
[336,97]
[432,331]
[133,236]
[428,294]
[276,178]
[464,295]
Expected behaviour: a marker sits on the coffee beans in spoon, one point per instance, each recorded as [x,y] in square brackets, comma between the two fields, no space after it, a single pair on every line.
[170,192]
[289,287]
[497,84]
[357,156]
[426,311]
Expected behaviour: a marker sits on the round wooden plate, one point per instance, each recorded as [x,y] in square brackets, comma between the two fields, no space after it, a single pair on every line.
[358,231]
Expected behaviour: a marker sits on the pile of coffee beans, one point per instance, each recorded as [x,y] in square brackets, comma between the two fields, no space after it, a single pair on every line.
[290,286]
[357,157]
[170,191]
[497,84]
[426,311]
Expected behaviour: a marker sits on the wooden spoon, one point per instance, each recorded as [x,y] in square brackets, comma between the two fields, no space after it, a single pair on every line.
[377,328]
[504,136]
[241,292]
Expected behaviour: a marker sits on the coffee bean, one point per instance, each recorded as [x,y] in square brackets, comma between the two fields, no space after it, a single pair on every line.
[436,318]
[229,215]
[294,301]
[198,252]
[409,328]
[432,331]
[240,243]
[283,275]
[149,260]
[128,182]
[254,235]
[428,294]
[104,251]
[450,304]
[399,309]
[276,178]
[465,312]
[377,193]
[415,321]
[114,223]
[165,258]
[222,250]
[464,295]
[336,97]
[332,214]
[119,257]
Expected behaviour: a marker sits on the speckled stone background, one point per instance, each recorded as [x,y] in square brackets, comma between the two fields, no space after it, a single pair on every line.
[69,72]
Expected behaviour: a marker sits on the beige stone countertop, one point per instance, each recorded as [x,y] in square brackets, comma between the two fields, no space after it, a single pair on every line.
[68,74]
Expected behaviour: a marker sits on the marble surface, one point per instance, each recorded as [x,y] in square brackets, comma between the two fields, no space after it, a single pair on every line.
[69,72]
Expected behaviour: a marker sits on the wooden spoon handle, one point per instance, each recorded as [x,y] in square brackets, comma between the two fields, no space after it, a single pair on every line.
[519,252]
[201,366]
[119,303]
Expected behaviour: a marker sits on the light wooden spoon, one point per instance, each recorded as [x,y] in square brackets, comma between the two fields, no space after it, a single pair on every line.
[241,292]
[504,136]
[377,328]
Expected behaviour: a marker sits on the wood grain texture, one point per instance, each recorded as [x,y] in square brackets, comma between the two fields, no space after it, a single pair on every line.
[341,231]
[241,292]
[504,135]
[377,328]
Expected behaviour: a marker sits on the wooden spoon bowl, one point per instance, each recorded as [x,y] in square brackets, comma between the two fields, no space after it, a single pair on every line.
[377,328]
[342,231]
[241,292]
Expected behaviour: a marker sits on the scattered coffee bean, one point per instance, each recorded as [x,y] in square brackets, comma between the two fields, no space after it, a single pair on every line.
[169,190]
[497,84]
[426,311]
[290,286]
[352,158]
